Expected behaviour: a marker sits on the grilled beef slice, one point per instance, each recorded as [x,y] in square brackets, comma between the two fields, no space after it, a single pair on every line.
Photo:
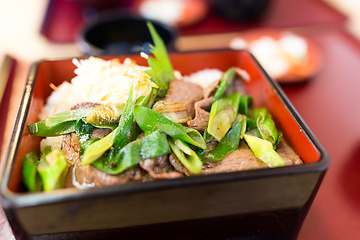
[244,159]
[160,168]
[81,176]
[184,92]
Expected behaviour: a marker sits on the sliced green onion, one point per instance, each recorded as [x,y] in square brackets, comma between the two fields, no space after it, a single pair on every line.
[59,124]
[152,145]
[52,170]
[222,114]
[150,120]
[266,126]
[229,143]
[186,155]
[264,150]
[29,170]
[225,84]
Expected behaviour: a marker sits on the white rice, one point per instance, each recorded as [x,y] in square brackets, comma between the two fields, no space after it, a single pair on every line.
[204,77]
[97,81]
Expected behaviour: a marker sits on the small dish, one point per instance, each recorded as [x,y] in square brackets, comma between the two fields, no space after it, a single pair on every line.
[175,13]
[115,33]
[242,10]
[286,56]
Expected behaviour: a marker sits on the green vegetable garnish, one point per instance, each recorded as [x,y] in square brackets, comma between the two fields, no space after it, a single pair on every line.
[151,146]
[225,84]
[105,114]
[161,71]
[127,129]
[264,150]
[186,155]
[246,103]
[52,169]
[29,170]
[229,143]
[59,124]
[83,130]
[222,114]
[266,126]
[150,120]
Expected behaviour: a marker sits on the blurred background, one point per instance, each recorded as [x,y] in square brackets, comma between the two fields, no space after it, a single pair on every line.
[34,29]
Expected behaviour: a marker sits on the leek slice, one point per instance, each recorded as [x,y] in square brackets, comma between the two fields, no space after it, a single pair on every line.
[32,179]
[222,114]
[59,124]
[264,150]
[52,169]
[153,145]
[266,126]
[150,120]
[186,155]
[225,83]
[229,143]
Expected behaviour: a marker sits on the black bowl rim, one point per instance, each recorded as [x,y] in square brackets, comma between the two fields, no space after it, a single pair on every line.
[107,16]
[19,200]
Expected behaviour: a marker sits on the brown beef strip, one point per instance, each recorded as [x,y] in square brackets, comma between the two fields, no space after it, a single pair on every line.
[160,168]
[240,160]
[175,162]
[182,91]
[202,114]
[202,108]
[85,105]
[244,159]
[80,175]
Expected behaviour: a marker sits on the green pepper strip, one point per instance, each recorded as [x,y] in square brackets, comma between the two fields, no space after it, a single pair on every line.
[152,145]
[161,71]
[225,83]
[52,169]
[59,124]
[126,131]
[229,143]
[207,138]
[105,114]
[186,155]
[29,170]
[246,103]
[150,120]
[222,114]
[98,148]
[264,150]
[266,126]
[83,130]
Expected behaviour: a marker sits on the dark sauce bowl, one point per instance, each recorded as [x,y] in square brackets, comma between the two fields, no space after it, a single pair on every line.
[115,33]
[242,10]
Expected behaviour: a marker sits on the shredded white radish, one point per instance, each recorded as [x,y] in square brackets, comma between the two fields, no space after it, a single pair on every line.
[97,81]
